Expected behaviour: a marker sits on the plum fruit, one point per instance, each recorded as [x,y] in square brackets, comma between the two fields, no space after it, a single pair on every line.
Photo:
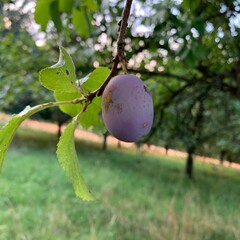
[127,108]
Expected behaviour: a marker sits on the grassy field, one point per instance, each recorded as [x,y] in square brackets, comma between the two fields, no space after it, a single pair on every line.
[140,197]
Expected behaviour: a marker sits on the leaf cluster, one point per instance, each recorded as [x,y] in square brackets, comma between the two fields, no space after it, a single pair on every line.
[78,11]
[71,96]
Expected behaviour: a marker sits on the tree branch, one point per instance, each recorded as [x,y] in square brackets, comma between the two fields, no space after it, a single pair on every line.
[120,55]
[163,74]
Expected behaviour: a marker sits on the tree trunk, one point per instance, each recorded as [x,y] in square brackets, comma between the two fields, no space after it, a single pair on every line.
[59,133]
[222,155]
[104,145]
[189,165]
[230,160]
[166,149]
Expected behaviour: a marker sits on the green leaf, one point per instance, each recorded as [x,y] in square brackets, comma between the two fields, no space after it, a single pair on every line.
[8,131]
[91,4]
[65,6]
[68,160]
[6,135]
[55,16]
[190,4]
[183,52]
[192,59]
[93,80]
[91,119]
[60,77]
[200,51]
[70,109]
[199,24]
[42,13]
[80,22]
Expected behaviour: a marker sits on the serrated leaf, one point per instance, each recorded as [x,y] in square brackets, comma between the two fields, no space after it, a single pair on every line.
[93,80]
[61,76]
[80,23]
[42,13]
[70,109]
[68,160]
[8,131]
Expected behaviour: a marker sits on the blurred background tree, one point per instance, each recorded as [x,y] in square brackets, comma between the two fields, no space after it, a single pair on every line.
[22,56]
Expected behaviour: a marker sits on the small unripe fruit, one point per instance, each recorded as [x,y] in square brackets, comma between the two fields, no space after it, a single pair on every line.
[127,108]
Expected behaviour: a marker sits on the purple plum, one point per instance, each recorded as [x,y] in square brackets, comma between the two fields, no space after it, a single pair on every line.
[127,108]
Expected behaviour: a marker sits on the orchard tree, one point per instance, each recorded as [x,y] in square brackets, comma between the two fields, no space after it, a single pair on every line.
[20,62]
[199,43]
[15,91]
[223,127]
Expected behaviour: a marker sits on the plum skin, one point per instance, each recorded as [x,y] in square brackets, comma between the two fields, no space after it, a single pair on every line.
[127,108]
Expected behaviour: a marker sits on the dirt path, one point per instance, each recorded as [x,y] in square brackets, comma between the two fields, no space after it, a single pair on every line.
[86,135]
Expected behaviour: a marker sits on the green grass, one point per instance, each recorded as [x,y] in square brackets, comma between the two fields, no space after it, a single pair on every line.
[140,197]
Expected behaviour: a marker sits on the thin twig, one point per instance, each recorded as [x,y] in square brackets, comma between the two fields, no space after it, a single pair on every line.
[160,74]
[120,55]
[122,32]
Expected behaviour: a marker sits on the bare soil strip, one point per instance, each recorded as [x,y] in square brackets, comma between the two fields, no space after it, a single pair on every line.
[86,135]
